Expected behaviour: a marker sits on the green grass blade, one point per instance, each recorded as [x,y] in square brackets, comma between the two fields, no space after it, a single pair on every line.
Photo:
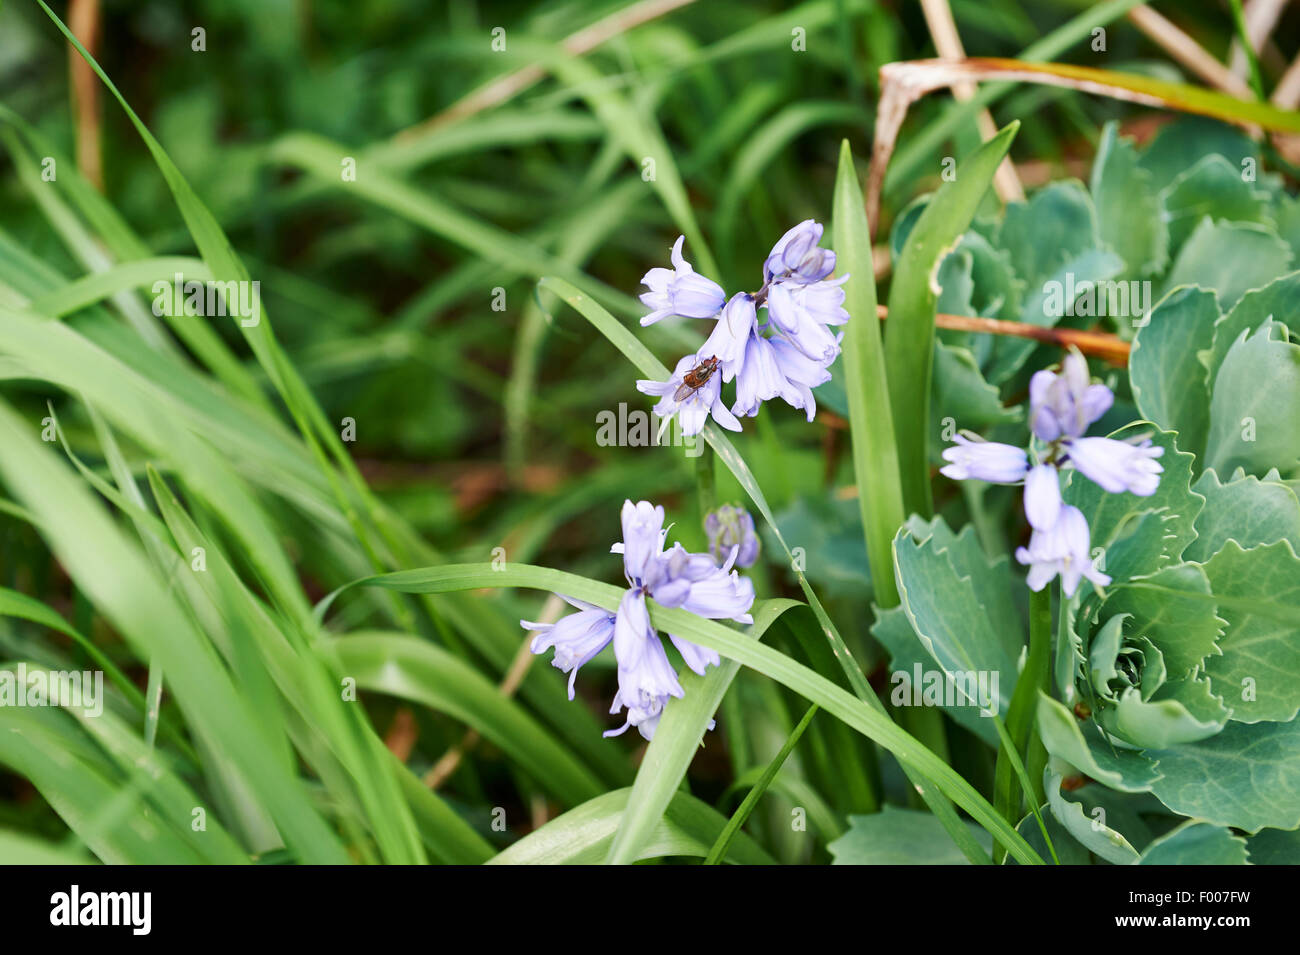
[582,835]
[909,339]
[871,422]
[738,818]
[419,671]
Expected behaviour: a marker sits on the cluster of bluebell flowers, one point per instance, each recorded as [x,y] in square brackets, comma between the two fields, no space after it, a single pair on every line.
[784,354]
[1062,406]
[673,577]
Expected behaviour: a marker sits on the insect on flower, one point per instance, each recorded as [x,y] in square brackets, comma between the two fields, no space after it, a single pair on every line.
[696,378]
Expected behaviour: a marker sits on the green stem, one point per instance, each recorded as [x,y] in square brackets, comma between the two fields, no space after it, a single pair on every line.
[719,850]
[1020,713]
[705,480]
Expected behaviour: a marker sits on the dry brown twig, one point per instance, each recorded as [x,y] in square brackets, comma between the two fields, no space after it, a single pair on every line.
[902,84]
[947,42]
[84,22]
[1165,34]
[1101,345]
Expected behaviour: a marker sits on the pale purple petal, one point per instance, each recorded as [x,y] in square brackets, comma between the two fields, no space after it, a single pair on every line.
[1042,496]
[984,461]
[1118,466]
[680,290]
[695,656]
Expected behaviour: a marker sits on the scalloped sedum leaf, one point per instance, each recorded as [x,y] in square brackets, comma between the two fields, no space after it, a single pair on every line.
[1174,608]
[1212,187]
[1279,300]
[1255,410]
[1274,847]
[1115,768]
[1091,830]
[959,602]
[1258,594]
[896,836]
[1231,258]
[1169,382]
[906,652]
[1247,777]
[1246,510]
[1159,724]
[1129,216]
[1196,843]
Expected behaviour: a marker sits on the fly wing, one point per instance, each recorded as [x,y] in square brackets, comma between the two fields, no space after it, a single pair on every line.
[682,392]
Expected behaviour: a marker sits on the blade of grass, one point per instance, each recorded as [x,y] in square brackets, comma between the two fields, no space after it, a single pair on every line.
[913,298]
[871,422]
[738,818]
[581,835]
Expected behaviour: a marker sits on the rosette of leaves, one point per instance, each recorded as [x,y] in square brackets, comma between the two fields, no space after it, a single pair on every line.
[1170,728]
[1183,681]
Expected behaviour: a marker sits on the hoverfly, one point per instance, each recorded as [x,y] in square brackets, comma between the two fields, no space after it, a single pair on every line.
[696,378]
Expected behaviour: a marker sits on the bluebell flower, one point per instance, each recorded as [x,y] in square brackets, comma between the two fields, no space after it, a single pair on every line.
[775,368]
[797,258]
[786,356]
[804,326]
[732,528]
[1042,496]
[1118,465]
[1064,405]
[673,577]
[714,592]
[576,638]
[1064,549]
[680,290]
[801,373]
[696,405]
[761,379]
[646,680]
[973,458]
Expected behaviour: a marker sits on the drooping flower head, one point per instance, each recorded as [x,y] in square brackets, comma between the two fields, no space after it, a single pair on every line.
[1062,407]
[783,355]
[974,458]
[576,638]
[680,290]
[732,333]
[673,577]
[1064,549]
[796,256]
